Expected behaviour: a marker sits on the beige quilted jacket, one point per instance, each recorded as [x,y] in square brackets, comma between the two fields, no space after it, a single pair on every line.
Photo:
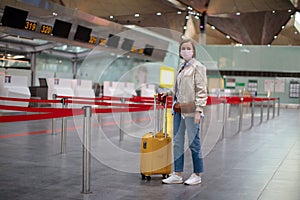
[192,86]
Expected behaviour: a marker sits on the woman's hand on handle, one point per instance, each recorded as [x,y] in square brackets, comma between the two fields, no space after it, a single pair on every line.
[197,117]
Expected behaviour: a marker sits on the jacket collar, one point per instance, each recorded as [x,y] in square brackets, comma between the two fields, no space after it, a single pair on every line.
[190,62]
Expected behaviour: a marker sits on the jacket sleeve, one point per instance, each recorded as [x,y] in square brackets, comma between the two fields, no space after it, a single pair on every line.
[200,87]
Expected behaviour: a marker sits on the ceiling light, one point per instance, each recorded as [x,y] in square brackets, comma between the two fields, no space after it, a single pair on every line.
[18,56]
[158,14]
[179,12]
[187,17]
[282,27]
[268,45]
[289,10]
[275,36]
[177,4]
[227,36]
[54,14]
[197,17]
[273,11]
[136,15]
[213,27]
[111,17]
[296,32]
[238,13]
[292,16]
[239,45]
[190,8]
[184,27]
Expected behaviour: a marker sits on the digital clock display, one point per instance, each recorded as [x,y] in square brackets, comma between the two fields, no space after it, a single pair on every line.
[30,25]
[46,29]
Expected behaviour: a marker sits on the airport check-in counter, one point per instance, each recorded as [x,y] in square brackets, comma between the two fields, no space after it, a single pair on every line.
[15,87]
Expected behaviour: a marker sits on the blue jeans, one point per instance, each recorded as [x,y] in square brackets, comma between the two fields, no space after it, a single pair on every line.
[180,125]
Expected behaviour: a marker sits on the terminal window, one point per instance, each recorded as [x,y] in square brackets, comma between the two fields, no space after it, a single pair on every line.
[252,87]
[294,89]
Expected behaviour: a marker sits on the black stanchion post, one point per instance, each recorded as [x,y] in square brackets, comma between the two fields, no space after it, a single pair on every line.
[53,119]
[63,129]
[86,148]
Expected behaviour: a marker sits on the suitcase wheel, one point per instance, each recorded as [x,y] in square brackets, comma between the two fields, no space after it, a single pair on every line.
[165,176]
[144,177]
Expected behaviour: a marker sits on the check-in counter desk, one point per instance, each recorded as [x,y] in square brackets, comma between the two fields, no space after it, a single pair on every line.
[60,87]
[15,87]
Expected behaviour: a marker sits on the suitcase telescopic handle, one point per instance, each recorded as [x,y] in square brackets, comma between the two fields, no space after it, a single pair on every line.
[154,117]
[166,117]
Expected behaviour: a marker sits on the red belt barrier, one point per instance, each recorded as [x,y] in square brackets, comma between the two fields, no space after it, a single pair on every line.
[139,104]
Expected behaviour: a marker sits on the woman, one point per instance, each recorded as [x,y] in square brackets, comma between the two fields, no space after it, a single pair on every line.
[189,99]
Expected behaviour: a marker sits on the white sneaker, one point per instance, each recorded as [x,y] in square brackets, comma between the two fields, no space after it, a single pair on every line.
[173,179]
[193,180]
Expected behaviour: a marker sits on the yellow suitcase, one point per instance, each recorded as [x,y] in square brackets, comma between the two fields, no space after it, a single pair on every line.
[156,150]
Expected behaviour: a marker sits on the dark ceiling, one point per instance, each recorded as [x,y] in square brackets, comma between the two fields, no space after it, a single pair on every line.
[253,22]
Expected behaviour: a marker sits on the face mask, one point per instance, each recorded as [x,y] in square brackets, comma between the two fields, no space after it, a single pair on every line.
[187,54]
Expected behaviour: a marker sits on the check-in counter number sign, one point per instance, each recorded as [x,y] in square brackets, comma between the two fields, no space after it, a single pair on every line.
[92,40]
[31,26]
[45,29]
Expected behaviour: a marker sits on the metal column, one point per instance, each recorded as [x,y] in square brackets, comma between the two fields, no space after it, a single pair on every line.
[63,129]
[252,112]
[241,115]
[278,111]
[122,122]
[33,68]
[261,111]
[53,119]
[268,109]
[86,148]
[224,118]
[274,108]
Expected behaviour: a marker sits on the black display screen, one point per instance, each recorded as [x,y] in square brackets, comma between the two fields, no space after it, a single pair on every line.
[148,50]
[61,29]
[14,17]
[82,34]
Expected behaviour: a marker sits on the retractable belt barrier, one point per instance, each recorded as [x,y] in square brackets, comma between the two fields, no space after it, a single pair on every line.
[136,104]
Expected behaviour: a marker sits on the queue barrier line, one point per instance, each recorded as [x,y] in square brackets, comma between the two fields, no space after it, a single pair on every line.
[48,113]
[87,111]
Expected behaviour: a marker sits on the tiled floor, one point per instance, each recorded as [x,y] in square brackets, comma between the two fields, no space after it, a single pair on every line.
[259,163]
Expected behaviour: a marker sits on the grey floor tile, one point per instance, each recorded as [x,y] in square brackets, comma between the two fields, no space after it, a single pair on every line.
[262,162]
